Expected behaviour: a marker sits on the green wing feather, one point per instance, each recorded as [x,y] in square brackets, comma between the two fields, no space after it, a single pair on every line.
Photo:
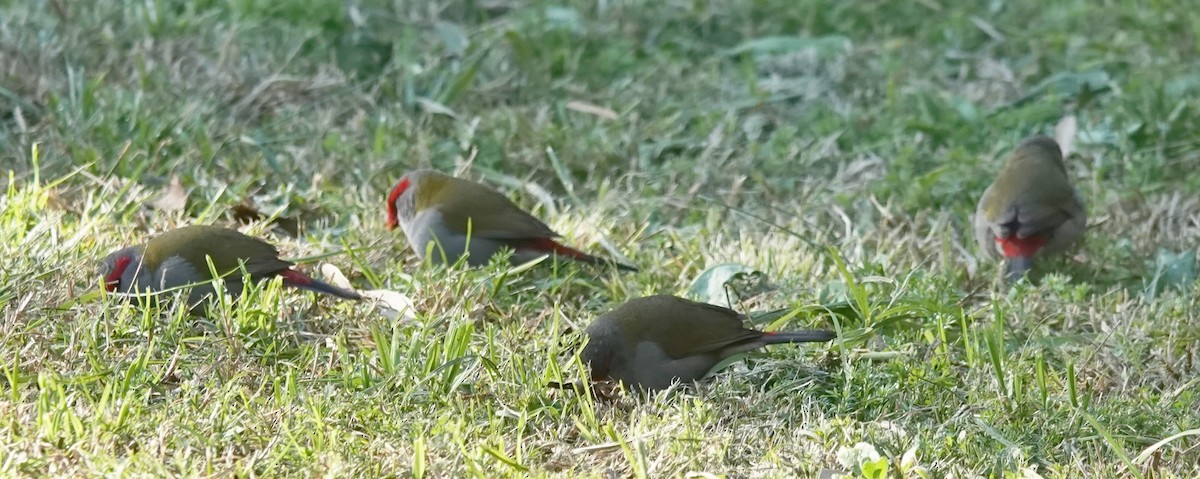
[702,329]
[489,213]
[227,248]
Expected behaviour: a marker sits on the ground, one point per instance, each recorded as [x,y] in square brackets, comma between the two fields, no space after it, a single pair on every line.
[835,148]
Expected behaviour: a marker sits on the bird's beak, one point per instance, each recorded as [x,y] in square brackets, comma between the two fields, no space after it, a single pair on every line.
[391,224]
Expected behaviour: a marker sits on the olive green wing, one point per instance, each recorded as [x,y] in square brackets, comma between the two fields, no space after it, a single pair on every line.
[701,328]
[487,212]
[1046,206]
[1033,190]
[227,248]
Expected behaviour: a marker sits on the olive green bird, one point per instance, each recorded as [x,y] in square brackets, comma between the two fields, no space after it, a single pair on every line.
[460,217]
[1031,210]
[649,343]
[179,258]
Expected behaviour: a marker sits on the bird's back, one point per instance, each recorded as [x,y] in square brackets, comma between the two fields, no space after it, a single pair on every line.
[227,248]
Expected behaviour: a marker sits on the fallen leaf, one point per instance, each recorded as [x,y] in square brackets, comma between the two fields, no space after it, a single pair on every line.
[436,108]
[393,304]
[1171,271]
[173,199]
[710,286]
[56,200]
[246,213]
[597,110]
[334,276]
[1064,134]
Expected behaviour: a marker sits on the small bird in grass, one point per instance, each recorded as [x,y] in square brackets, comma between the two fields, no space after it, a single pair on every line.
[179,258]
[649,343]
[459,217]
[1031,210]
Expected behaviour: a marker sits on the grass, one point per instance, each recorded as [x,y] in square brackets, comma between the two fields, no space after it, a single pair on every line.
[837,148]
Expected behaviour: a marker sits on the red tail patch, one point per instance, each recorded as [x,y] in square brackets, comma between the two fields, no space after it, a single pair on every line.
[291,276]
[1015,247]
[550,246]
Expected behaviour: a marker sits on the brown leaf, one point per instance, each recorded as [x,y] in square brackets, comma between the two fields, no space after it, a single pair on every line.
[56,200]
[173,199]
[246,213]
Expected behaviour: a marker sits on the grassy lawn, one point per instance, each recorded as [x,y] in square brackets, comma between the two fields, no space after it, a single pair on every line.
[833,149]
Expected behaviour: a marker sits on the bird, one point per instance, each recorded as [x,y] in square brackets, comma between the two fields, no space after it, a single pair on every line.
[1031,210]
[651,342]
[179,258]
[448,217]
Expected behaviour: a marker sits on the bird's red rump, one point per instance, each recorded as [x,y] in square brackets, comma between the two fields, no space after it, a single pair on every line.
[400,188]
[550,246]
[114,277]
[291,276]
[1015,247]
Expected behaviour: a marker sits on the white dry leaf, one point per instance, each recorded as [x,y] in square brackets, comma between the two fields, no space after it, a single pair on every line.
[909,466]
[851,457]
[334,276]
[591,109]
[1064,134]
[436,108]
[394,305]
[173,199]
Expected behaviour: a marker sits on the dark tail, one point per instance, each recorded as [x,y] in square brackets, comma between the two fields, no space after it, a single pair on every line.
[804,336]
[1018,266]
[300,280]
[550,246]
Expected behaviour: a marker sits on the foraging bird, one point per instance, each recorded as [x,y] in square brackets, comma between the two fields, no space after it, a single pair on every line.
[459,216]
[651,342]
[180,257]
[1031,210]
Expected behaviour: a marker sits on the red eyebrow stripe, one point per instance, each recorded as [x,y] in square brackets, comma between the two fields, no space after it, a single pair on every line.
[391,201]
[114,277]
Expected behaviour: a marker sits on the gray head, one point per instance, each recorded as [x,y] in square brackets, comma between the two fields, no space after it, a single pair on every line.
[605,352]
[402,201]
